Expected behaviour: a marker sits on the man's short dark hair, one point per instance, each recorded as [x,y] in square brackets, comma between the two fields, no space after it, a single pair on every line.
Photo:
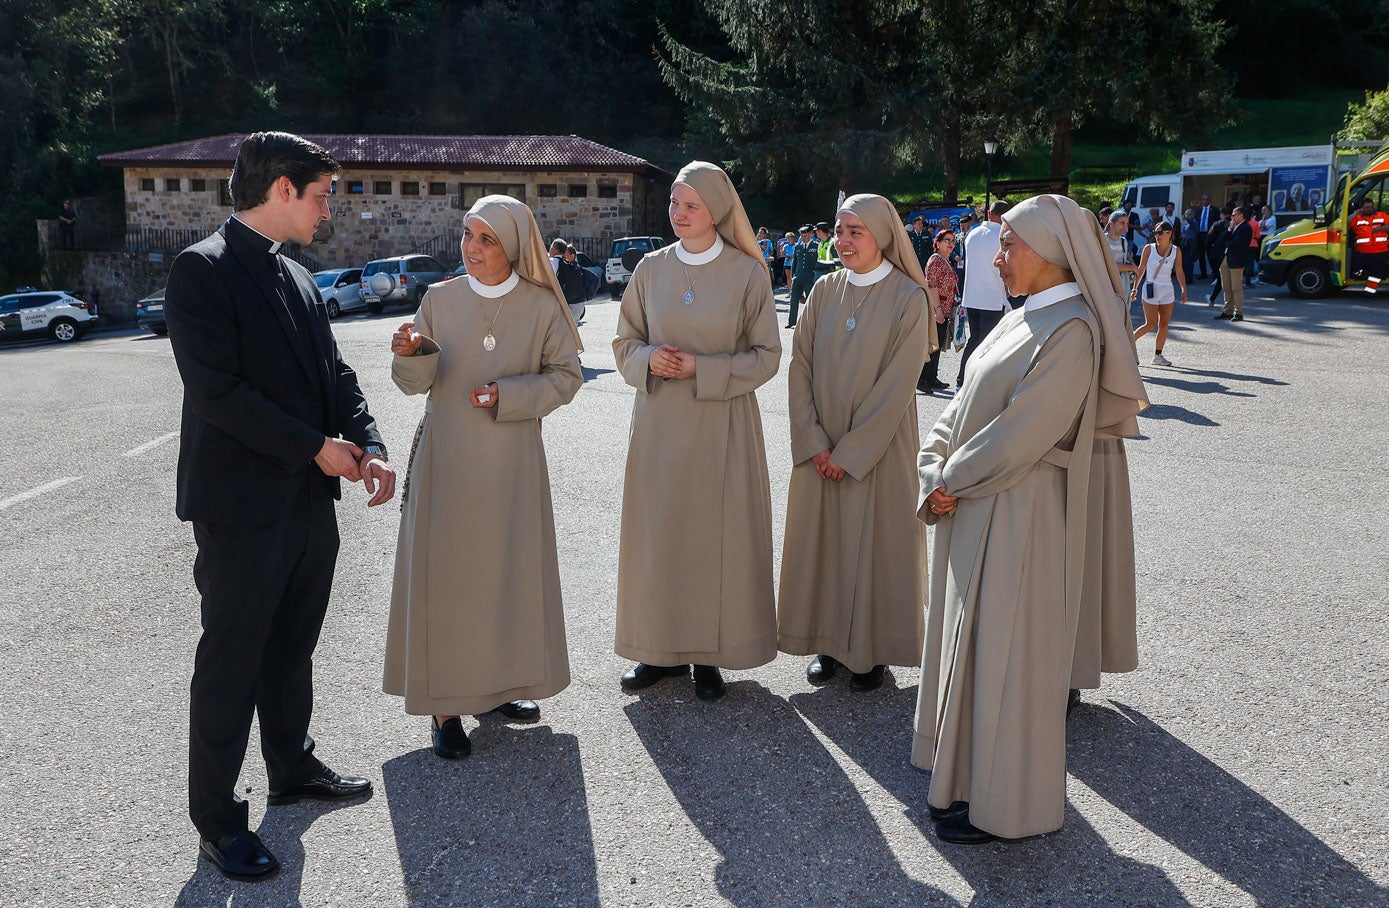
[1000,207]
[264,157]
[559,244]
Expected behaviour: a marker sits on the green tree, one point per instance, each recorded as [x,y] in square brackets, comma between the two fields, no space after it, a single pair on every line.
[1368,121]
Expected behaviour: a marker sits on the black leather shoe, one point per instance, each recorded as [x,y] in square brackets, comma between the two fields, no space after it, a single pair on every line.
[450,741]
[956,810]
[959,831]
[520,710]
[1237,317]
[1071,700]
[642,675]
[923,388]
[241,856]
[869,680]
[325,786]
[821,669]
[1222,317]
[939,386]
[708,682]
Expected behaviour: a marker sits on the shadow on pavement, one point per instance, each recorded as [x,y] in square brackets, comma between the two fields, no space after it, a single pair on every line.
[507,826]
[789,824]
[590,373]
[1196,387]
[1180,414]
[1208,814]
[1233,376]
[282,830]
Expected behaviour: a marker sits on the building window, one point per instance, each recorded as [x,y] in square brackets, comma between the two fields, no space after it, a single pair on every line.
[438,189]
[171,185]
[355,187]
[546,190]
[197,185]
[578,190]
[514,190]
[469,193]
[607,191]
[409,187]
[224,197]
[147,184]
[381,187]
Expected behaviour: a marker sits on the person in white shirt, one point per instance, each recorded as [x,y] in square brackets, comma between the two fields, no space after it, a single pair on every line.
[984,298]
[557,250]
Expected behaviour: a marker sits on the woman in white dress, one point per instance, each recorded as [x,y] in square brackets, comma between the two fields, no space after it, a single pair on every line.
[1160,264]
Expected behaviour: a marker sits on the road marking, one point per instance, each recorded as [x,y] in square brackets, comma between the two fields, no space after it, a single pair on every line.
[149,445]
[35,493]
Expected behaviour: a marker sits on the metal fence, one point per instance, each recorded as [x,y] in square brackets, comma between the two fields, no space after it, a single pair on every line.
[446,248]
[165,241]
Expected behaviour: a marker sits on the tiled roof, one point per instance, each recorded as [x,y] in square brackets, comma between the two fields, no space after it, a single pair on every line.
[370,152]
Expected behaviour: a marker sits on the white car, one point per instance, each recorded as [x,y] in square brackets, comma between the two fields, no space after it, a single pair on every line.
[616,273]
[57,313]
[341,289]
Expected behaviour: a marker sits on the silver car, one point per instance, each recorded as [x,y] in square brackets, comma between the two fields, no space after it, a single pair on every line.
[341,289]
[399,280]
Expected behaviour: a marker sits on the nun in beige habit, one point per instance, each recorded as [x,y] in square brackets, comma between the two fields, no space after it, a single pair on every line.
[696,336]
[476,620]
[853,560]
[1004,478]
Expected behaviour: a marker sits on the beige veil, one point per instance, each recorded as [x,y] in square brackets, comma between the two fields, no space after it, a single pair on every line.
[515,226]
[880,217]
[716,189]
[1068,236]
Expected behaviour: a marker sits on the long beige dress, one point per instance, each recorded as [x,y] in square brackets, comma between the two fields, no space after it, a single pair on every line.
[476,616]
[695,560]
[1014,445]
[1107,636]
[853,561]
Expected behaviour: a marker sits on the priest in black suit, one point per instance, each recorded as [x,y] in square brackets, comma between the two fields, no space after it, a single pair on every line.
[273,420]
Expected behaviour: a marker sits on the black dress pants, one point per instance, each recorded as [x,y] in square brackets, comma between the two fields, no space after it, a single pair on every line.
[981,322]
[264,593]
[930,373]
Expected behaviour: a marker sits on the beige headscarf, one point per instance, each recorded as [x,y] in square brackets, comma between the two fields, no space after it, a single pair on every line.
[716,189]
[1068,236]
[515,226]
[880,217]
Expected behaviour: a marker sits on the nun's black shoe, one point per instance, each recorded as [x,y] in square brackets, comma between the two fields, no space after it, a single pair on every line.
[708,682]
[959,831]
[642,675]
[450,740]
[520,710]
[955,810]
[1071,700]
[869,680]
[821,669]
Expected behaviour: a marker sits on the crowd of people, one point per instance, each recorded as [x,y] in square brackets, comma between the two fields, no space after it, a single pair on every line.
[1026,597]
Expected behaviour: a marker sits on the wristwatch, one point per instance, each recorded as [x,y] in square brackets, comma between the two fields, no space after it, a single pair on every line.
[378,450]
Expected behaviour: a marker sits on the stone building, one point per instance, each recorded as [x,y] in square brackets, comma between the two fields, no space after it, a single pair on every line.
[400,194]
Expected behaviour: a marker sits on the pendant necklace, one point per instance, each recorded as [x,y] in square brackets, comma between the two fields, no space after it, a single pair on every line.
[689,296]
[489,343]
[852,323]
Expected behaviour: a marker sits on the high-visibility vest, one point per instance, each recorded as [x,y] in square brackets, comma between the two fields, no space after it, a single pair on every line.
[1369,231]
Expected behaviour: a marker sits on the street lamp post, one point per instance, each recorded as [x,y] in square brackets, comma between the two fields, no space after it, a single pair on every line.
[990,146]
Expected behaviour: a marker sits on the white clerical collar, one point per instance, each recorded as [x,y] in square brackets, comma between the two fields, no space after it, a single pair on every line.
[1043,298]
[492,291]
[274,244]
[699,258]
[872,277]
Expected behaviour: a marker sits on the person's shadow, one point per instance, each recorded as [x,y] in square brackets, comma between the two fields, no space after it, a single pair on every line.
[507,826]
[789,825]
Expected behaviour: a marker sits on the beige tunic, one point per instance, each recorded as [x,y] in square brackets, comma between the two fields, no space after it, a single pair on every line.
[476,617]
[695,561]
[854,558]
[1107,637]
[1006,569]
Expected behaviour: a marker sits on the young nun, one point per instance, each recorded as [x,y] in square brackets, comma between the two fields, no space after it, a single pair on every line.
[1004,476]
[853,560]
[476,620]
[696,336]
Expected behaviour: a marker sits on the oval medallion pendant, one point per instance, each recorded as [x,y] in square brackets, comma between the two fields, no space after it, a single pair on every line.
[489,343]
[850,324]
[688,297]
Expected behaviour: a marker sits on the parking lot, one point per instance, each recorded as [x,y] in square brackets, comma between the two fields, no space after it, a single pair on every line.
[1242,764]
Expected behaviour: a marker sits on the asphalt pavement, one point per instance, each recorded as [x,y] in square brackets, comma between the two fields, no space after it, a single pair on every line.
[1244,763]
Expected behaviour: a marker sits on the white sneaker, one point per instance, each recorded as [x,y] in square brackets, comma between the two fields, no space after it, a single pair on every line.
[1161,360]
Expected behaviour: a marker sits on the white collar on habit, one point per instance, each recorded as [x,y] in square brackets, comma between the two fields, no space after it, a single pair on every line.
[492,291]
[274,244]
[699,258]
[1043,298]
[872,277]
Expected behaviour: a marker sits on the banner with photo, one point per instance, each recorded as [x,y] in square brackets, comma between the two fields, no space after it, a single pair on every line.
[1295,190]
[934,217]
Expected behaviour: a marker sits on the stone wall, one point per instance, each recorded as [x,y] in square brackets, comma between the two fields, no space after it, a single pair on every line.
[113,281]
[368,224]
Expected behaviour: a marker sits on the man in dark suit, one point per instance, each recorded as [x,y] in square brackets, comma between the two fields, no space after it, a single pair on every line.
[266,396]
[1206,216]
[1238,254]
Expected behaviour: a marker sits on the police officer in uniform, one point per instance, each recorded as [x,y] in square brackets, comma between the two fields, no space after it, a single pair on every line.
[802,271]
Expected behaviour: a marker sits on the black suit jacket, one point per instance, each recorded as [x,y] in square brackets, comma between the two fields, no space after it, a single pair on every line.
[1238,252]
[258,396]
